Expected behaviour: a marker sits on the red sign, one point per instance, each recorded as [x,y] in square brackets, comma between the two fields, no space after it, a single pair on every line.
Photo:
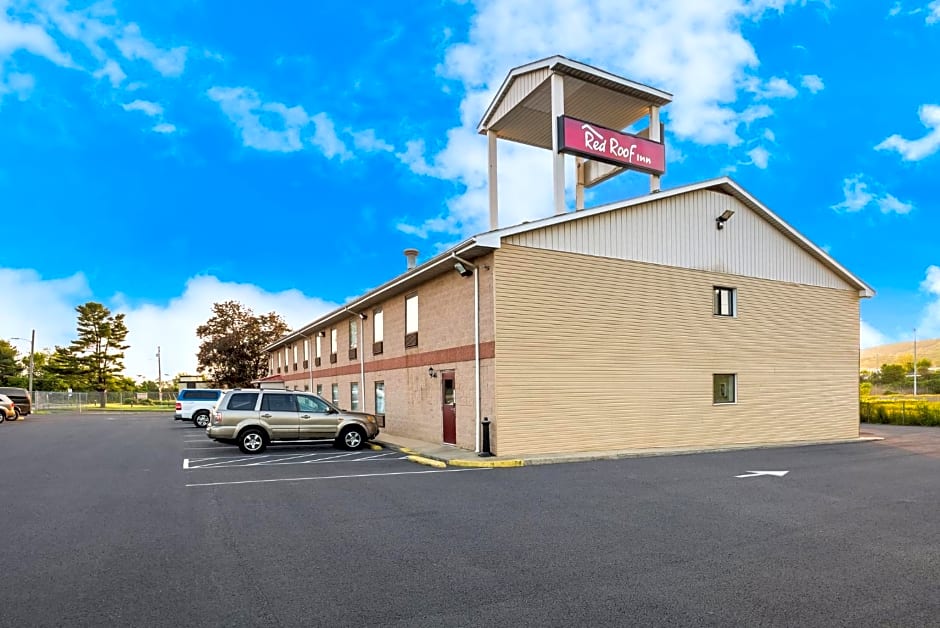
[578,137]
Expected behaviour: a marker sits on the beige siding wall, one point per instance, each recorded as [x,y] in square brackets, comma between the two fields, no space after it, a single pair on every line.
[598,354]
[680,231]
[413,405]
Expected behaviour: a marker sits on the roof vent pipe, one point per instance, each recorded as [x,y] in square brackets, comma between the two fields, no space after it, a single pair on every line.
[412,255]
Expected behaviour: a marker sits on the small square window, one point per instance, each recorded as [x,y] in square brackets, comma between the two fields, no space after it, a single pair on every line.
[354,396]
[334,397]
[724,388]
[725,301]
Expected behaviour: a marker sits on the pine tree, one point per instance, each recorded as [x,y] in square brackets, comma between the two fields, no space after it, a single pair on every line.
[99,348]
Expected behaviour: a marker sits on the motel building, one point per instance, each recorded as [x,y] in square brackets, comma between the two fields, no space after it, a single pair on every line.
[689,317]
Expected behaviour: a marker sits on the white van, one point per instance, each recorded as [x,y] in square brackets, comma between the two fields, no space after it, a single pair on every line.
[196,404]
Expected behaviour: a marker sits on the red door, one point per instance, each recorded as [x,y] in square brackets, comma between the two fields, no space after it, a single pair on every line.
[449,407]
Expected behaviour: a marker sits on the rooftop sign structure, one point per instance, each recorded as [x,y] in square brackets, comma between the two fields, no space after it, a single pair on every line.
[543,103]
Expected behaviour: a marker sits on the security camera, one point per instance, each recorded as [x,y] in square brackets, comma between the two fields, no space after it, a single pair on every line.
[463,270]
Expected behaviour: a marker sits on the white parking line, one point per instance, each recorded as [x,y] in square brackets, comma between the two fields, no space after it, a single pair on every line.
[272,460]
[281,462]
[340,477]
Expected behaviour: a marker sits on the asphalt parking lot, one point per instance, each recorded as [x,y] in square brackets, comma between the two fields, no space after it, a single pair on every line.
[138,520]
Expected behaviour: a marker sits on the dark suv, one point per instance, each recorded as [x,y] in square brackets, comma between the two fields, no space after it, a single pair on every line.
[19,396]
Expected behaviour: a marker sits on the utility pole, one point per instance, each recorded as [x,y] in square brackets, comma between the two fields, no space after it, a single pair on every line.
[160,377]
[32,352]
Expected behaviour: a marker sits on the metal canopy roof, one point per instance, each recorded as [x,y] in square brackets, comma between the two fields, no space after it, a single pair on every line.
[521,109]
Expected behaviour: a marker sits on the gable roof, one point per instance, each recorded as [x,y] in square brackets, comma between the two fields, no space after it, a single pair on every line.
[486,242]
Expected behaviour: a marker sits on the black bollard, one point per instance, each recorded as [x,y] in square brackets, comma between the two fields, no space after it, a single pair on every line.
[485,449]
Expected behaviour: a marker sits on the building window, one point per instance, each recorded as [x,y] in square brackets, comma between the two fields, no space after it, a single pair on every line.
[335,394]
[319,345]
[278,361]
[725,301]
[378,331]
[306,387]
[725,388]
[380,403]
[286,359]
[411,321]
[353,338]
[354,396]
[295,356]
[306,353]
[333,345]
[319,390]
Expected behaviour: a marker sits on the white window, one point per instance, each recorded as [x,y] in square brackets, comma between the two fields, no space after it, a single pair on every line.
[354,396]
[319,344]
[725,299]
[411,314]
[353,334]
[380,397]
[278,361]
[295,356]
[335,394]
[286,358]
[333,343]
[306,350]
[378,326]
[724,388]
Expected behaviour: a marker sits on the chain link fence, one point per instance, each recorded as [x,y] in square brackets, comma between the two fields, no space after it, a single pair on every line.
[56,401]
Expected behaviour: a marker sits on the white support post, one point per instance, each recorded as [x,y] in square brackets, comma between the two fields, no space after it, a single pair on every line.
[491,171]
[558,169]
[654,136]
[579,165]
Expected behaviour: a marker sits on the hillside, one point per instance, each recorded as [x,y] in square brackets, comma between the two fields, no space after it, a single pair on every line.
[899,352]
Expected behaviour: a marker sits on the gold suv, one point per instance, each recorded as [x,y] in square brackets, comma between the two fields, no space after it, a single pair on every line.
[253,418]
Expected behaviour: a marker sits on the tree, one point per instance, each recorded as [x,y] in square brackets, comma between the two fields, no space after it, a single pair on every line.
[893,375]
[99,348]
[233,341]
[10,367]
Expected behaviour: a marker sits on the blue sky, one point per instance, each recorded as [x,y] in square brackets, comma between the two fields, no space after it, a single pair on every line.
[159,157]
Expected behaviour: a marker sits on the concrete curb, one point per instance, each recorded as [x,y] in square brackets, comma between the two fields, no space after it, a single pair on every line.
[375,447]
[484,464]
[427,461]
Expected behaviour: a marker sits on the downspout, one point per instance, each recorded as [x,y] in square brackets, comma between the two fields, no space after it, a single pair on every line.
[476,342]
[362,359]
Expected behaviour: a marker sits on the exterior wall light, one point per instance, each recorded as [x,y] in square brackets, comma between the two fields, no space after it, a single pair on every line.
[431,372]
[463,270]
[721,220]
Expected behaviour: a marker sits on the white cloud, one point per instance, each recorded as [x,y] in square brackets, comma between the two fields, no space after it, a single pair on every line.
[870,337]
[112,71]
[133,46]
[164,128]
[775,87]
[325,138]
[895,10]
[48,306]
[889,204]
[769,135]
[149,108]
[759,157]
[915,150]
[30,37]
[930,320]
[859,195]
[275,127]
[695,50]
[17,83]
[813,83]
[367,141]
[934,12]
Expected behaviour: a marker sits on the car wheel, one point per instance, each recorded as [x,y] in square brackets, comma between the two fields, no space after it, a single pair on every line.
[16,414]
[252,441]
[201,419]
[3,417]
[352,438]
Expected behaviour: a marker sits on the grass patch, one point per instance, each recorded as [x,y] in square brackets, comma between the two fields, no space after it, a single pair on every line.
[898,410]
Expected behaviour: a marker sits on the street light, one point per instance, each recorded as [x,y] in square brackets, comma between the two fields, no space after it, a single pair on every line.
[32,351]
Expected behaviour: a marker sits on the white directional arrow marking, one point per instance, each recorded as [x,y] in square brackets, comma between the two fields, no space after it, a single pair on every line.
[754,474]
